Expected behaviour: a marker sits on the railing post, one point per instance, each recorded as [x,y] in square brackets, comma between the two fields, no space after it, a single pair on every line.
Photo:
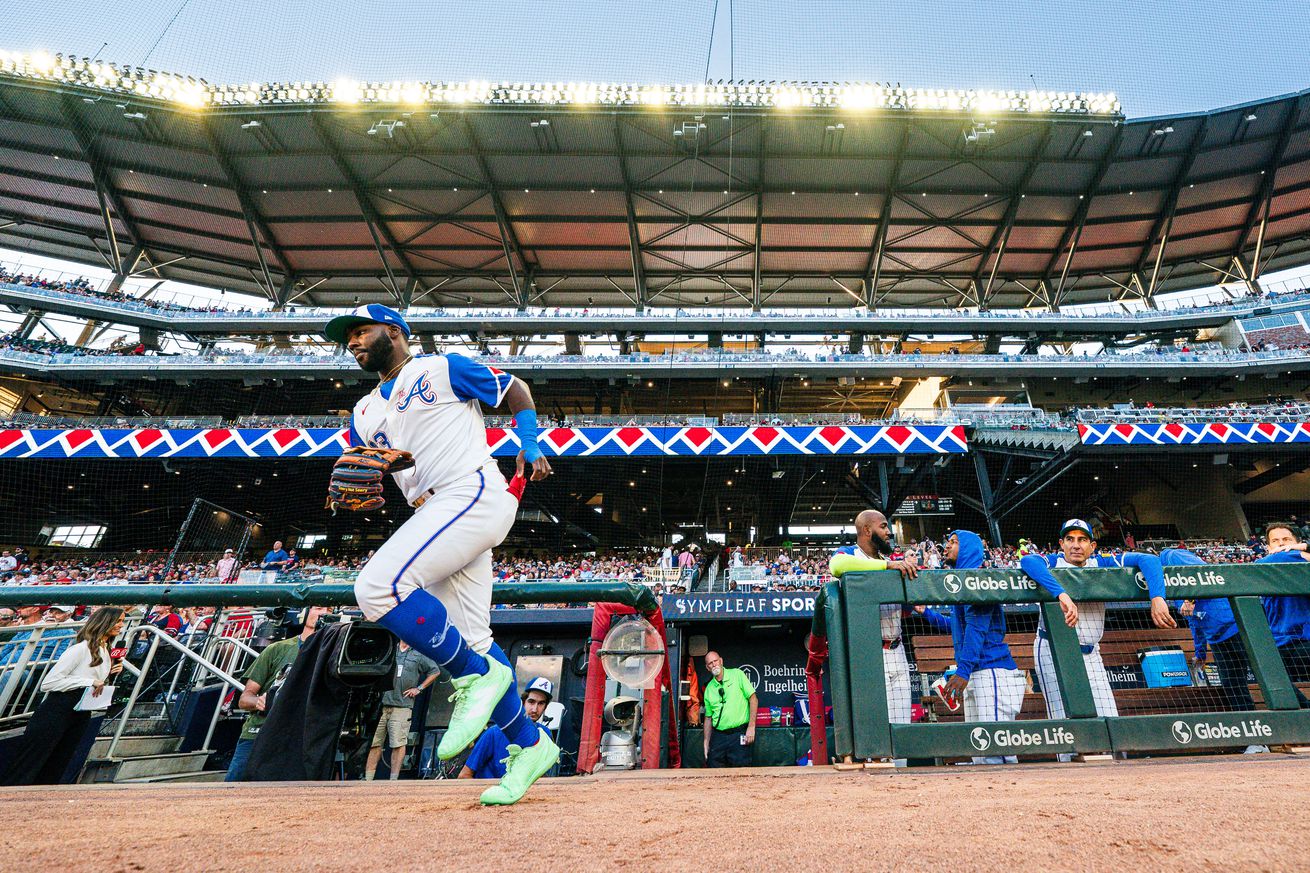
[839,670]
[1266,663]
[14,679]
[1070,669]
[865,595]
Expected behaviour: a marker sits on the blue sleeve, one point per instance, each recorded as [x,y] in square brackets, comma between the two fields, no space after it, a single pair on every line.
[1149,567]
[1036,569]
[975,631]
[936,619]
[483,750]
[470,380]
[352,435]
[1280,558]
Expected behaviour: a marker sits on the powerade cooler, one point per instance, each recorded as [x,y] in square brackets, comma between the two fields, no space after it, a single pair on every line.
[1164,667]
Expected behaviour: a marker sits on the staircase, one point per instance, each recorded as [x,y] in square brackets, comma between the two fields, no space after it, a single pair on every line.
[146,753]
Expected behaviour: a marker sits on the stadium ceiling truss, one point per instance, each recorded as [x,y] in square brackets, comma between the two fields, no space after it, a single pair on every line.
[533,206]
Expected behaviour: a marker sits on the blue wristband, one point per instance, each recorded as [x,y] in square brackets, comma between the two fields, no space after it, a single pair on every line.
[525,428]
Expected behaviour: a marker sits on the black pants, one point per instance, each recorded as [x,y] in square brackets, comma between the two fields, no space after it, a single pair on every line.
[1230,658]
[50,741]
[1296,658]
[727,749]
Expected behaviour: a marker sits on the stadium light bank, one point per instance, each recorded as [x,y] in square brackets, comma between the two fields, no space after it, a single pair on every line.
[197,93]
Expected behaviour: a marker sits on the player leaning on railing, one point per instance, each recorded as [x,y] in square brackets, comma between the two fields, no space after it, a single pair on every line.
[872,543]
[430,583]
[1078,549]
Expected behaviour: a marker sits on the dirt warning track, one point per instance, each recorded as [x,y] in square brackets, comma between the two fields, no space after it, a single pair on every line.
[1223,813]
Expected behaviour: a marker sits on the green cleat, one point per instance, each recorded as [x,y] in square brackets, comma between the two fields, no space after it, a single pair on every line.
[475,697]
[522,768]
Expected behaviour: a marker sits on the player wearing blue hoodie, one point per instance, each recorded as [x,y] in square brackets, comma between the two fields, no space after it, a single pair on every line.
[985,672]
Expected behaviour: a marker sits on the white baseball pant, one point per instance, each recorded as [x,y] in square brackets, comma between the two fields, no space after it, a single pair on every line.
[896,673]
[1096,676]
[445,548]
[994,695]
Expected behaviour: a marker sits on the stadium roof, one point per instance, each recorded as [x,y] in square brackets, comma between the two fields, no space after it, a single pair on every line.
[625,203]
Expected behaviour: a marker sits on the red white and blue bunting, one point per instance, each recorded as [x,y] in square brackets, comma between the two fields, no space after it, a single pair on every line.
[555,442]
[1178,434]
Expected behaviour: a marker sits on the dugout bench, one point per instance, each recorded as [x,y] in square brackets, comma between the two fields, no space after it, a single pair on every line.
[846,623]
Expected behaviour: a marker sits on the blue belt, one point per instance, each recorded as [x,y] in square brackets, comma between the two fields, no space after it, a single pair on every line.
[1086,650]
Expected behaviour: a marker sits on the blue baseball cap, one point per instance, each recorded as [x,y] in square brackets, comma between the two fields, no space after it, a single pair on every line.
[369,313]
[544,685]
[1076,524]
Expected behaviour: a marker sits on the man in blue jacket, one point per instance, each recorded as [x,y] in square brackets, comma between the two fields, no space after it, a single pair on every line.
[1214,632]
[985,672]
[1078,549]
[1215,635]
[1289,614]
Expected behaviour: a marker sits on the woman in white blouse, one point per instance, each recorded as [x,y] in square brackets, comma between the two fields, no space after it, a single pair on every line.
[57,727]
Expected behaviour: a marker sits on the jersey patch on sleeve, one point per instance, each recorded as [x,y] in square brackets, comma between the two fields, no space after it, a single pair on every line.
[470,380]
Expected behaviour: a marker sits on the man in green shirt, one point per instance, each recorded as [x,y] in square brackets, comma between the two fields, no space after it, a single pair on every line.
[269,668]
[414,673]
[730,705]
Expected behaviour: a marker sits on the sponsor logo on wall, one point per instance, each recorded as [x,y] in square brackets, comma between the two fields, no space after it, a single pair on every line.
[1247,730]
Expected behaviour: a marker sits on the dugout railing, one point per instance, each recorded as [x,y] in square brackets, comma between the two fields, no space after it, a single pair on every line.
[846,641]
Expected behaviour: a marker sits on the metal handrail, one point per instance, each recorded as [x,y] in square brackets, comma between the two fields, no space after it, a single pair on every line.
[633,594]
[145,670]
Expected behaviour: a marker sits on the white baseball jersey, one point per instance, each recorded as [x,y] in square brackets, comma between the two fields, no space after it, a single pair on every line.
[431,410]
[1090,628]
[1091,616]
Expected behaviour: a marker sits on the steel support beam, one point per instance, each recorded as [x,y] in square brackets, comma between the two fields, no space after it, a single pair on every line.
[377,226]
[1074,230]
[1036,481]
[757,272]
[106,194]
[508,240]
[1259,208]
[988,499]
[634,235]
[873,267]
[255,223]
[1164,221]
[1001,235]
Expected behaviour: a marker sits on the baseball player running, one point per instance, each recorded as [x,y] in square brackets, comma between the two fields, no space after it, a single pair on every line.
[1078,549]
[430,583]
[872,544]
[985,672]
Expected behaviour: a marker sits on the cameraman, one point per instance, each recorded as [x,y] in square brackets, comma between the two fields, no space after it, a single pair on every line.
[263,678]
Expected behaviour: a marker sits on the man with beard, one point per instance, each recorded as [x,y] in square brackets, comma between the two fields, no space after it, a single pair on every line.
[430,583]
[872,546]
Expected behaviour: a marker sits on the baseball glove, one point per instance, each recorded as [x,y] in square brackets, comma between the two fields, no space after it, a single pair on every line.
[356,482]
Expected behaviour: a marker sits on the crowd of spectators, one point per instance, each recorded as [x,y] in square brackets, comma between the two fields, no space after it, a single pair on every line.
[629,565]
[46,346]
[83,288]
[741,568]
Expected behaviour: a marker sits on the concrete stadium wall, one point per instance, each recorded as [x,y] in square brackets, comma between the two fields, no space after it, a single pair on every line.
[1203,506]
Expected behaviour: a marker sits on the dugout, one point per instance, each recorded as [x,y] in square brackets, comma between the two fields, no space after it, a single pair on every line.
[763,634]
